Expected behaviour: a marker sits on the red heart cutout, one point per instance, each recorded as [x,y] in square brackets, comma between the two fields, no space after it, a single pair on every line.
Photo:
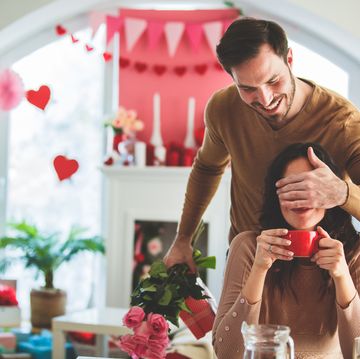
[124,62]
[140,66]
[39,98]
[60,30]
[74,39]
[89,48]
[65,167]
[159,69]
[107,56]
[180,70]
[201,69]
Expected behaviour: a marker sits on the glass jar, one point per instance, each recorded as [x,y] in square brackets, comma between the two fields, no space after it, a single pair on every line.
[266,341]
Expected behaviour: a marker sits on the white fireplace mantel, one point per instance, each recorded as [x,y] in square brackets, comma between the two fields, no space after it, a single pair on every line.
[154,193]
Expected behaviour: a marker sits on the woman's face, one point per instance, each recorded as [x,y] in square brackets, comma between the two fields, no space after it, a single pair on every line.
[301,218]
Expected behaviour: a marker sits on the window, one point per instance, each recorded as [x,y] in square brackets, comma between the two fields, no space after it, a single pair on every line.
[72,126]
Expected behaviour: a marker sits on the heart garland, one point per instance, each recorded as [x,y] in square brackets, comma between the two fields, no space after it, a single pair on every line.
[39,98]
[160,69]
[65,167]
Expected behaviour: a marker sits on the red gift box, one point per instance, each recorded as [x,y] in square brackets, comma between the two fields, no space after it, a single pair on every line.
[201,320]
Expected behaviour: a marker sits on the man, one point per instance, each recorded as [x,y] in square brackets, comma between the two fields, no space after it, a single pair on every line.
[250,122]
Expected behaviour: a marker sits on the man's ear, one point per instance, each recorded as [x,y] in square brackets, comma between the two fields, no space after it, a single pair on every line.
[289,58]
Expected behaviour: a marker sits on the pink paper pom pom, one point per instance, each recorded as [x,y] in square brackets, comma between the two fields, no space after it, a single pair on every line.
[11,90]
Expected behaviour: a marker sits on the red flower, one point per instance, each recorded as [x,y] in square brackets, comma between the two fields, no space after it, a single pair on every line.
[7,296]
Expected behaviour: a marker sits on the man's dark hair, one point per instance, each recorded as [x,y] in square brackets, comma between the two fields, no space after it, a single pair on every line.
[337,222]
[243,38]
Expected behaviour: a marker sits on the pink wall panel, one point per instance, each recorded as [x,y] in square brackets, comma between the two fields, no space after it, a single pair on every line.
[137,89]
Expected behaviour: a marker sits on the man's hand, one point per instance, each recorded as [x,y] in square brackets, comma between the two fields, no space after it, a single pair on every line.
[319,188]
[181,251]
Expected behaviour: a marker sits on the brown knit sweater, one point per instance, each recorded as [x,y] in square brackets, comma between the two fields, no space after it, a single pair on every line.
[234,130]
[319,327]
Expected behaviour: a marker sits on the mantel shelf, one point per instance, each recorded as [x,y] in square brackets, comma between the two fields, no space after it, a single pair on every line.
[152,171]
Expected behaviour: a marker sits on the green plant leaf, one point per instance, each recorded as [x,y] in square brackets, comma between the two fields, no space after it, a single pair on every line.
[150,288]
[206,262]
[166,298]
[158,269]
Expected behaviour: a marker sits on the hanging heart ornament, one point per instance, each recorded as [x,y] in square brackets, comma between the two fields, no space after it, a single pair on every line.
[65,167]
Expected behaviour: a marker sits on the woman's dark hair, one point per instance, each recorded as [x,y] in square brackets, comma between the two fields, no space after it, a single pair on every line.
[243,38]
[336,221]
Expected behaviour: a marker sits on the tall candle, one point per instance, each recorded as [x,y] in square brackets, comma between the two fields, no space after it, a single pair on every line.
[189,139]
[156,139]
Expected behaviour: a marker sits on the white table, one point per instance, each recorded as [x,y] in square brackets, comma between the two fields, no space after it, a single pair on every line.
[103,322]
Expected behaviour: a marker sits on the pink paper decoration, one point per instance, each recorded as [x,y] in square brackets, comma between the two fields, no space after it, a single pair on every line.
[213,32]
[11,90]
[134,28]
[173,33]
[113,25]
[154,32]
[194,33]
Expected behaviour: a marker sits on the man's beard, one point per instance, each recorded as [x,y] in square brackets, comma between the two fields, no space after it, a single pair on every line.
[280,118]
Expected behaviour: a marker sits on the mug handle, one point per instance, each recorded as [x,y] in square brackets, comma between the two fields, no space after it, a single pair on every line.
[290,344]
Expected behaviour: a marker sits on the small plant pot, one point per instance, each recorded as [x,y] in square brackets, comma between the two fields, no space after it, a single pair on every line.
[45,305]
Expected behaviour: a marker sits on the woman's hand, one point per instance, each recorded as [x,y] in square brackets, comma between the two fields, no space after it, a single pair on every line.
[270,247]
[330,255]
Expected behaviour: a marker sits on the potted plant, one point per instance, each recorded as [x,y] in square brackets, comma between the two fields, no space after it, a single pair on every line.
[46,253]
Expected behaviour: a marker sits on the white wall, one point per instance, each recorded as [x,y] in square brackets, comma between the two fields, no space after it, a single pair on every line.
[342,13]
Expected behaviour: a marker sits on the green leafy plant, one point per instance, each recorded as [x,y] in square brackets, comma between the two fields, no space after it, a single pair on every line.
[46,252]
[165,290]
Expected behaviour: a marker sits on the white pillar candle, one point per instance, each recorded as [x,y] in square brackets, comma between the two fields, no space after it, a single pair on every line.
[156,139]
[140,154]
[190,139]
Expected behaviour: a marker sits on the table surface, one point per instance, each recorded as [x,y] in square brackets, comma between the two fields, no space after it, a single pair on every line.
[99,321]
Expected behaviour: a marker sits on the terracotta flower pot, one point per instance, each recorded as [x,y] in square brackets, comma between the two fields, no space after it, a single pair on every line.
[45,305]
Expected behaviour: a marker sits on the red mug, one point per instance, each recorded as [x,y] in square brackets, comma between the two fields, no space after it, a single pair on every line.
[303,243]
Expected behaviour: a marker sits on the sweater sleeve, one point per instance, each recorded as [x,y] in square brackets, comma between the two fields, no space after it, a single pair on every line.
[352,153]
[348,318]
[233,308]
[205,176]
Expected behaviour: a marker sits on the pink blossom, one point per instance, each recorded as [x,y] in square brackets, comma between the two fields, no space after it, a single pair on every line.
[158,325]
[11,90]
[143,330]
[141,342]
[158,344]
[134,317]
[154,246]
[127,344]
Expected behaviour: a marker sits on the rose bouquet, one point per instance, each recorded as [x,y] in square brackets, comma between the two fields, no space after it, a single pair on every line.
[164,296]
[125,122]
[150,338]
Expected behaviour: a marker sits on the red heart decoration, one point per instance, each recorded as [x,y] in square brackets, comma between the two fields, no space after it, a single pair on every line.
[89,48]
[39,98]
[124,62]
[107,56]
[159,69]
[65,167]
[74,39]
[60,30]
[140,66]
[180,70]
[201,69]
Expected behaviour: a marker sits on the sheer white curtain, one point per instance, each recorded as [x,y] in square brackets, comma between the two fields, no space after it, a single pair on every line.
[72,126]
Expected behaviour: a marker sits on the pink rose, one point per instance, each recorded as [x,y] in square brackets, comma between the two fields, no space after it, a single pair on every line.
[134,317]
[141,342]
[158,324]
[158,344]
[127,344]
[151,354]
[143,329]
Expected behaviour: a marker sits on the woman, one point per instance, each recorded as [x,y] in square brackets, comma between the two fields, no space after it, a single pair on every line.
[318,297]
